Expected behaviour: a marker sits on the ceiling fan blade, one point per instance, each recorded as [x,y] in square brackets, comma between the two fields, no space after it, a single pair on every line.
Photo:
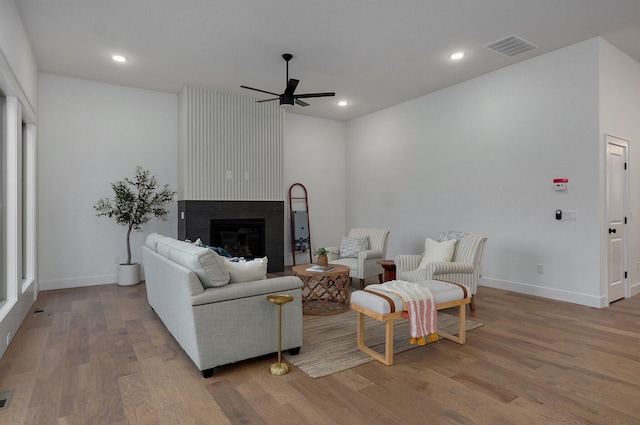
[301,102]
[267,100]
[263,91]
[291,86]
[303,96]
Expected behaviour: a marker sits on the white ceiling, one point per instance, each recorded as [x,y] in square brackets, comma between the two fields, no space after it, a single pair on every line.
[372,53]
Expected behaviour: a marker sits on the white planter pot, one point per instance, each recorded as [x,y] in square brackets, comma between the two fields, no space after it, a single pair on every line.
[128,274]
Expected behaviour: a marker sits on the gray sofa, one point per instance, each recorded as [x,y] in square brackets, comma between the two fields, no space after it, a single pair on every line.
[214,321]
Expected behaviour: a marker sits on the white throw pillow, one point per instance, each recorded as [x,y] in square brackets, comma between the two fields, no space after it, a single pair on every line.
[437,251]
[350,247]
[247,270]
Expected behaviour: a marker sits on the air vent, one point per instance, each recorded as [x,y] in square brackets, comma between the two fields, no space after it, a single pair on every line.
[5,398]
[511,46]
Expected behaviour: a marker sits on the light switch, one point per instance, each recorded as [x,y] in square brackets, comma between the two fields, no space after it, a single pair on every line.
[569,215]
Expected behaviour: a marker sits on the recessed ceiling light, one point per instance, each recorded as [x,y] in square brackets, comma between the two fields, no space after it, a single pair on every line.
[343,103]
[119,58]
[457,55]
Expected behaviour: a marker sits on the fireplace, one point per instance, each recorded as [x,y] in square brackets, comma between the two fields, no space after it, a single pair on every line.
[196,218]
[241,238]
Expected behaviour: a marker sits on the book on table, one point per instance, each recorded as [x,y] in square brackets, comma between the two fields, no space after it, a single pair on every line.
[317,268]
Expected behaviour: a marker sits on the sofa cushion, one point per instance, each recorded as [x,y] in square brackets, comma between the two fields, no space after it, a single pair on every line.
[152,241]
[205,263]
[351,247]
[246,270]
[437,251]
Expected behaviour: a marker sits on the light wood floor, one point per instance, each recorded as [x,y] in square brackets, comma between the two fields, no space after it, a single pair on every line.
[99,355]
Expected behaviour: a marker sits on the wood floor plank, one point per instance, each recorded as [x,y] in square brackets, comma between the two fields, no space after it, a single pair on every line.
[233,405]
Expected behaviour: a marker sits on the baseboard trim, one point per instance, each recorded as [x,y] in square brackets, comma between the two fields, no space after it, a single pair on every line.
[47,285]
[546,292]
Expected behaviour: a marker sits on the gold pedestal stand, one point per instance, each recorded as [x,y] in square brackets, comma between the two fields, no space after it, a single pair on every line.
[279,299]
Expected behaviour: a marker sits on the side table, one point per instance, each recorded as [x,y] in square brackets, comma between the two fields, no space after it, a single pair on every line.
[324,293]
[389,269]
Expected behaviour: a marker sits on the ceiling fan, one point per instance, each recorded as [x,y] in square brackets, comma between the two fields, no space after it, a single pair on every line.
[288,98]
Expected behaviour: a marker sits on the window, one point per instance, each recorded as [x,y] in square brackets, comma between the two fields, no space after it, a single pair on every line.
[17,207]
[27,205]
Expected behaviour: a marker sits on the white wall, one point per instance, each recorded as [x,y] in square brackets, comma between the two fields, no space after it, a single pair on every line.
[619,110]
[92,134]
[480,157]
[21,70]
[314,155]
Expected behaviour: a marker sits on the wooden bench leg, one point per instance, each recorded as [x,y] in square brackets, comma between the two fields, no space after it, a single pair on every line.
[388,346]
[462,327]
[387,358]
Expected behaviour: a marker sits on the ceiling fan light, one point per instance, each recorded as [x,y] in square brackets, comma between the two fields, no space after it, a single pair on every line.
[286,105]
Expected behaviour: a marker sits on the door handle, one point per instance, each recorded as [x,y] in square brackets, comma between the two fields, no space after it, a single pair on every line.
[612,231]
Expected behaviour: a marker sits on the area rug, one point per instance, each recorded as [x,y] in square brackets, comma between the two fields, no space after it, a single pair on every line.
[329,343]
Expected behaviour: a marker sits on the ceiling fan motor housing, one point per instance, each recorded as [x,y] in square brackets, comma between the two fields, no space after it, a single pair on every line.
[286,100]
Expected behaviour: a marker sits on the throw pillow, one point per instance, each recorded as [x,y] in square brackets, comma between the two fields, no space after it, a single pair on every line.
[247,270]
[350,247]
[220,251]
[446,235]
[437,251]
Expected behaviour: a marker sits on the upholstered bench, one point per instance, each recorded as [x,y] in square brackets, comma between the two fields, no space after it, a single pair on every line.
[386,307]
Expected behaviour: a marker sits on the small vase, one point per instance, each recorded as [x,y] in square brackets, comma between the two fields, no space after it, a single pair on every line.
[323,260]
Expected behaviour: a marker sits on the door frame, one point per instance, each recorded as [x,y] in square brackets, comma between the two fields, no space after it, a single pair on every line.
[614,140]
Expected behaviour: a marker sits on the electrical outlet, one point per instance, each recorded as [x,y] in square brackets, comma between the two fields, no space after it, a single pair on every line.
[569,215]
[9,338]
[540,268]
[116,260]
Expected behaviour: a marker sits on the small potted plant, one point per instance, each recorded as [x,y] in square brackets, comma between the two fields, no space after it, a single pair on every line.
[322,253]
[135,202]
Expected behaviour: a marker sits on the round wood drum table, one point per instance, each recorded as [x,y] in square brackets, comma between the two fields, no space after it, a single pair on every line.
[324,293]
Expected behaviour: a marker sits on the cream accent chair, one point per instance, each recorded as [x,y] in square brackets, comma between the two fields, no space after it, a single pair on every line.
[365,265]
[464,268]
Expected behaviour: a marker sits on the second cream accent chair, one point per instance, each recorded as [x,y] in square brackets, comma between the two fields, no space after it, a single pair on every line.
[365,264]
[464,268]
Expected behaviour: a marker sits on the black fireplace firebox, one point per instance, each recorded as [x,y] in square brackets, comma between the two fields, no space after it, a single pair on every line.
[241,238]
[195,220]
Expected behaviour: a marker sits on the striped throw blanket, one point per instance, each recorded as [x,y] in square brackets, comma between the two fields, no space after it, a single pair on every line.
[419,309]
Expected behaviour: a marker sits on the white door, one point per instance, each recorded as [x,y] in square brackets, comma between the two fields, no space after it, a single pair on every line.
[616,206]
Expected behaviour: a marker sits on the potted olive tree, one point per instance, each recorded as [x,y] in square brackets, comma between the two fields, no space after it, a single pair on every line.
[134,203]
